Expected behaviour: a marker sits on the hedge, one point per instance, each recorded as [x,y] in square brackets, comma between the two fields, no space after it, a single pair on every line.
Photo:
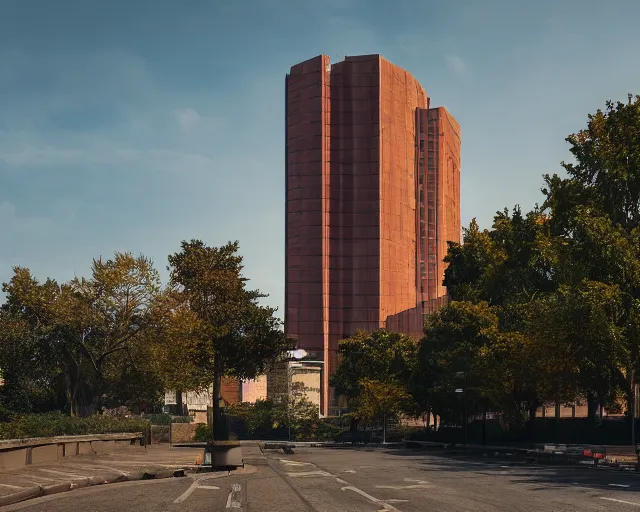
[59,424]
[166,419]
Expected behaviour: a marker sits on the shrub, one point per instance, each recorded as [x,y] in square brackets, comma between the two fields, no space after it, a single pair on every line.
[58,424]
[181,419]
[204,433]
[160,433]
[166,419]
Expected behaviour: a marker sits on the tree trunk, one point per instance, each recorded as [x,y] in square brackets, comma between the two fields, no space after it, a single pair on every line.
[592,407]
[531,423]
[219,428]
[384,428]
[179,403]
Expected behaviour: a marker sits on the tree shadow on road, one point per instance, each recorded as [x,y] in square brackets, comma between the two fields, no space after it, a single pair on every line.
[519,471]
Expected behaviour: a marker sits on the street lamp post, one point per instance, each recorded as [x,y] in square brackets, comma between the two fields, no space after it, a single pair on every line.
[634,412]
[464,404]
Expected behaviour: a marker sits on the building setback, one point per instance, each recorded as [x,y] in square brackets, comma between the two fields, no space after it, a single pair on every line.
[372,198]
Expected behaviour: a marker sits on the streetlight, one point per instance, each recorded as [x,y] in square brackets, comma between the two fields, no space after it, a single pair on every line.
[293,355]
[464,403]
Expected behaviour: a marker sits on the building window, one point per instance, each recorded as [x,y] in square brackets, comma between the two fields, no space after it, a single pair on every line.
[421,145]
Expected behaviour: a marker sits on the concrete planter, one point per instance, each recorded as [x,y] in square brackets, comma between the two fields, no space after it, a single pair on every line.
[18,453]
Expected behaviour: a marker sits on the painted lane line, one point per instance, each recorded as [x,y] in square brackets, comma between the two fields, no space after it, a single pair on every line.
[618,485]
[208,487]
[370,498]
[232,501]
[309,473]
[403,487]
[62,473]
[36,478]
[294,462]
[12,486]
[188,492]
[620,501]
[104,468]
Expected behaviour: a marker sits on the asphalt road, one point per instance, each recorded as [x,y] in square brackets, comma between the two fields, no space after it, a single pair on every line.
[365,480]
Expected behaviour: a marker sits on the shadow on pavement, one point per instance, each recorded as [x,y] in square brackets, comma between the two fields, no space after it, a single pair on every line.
[538,476]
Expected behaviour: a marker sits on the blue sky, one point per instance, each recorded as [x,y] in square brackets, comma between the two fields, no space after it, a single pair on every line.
[132,125]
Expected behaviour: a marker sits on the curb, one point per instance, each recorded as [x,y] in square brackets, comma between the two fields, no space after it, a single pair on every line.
[38,491]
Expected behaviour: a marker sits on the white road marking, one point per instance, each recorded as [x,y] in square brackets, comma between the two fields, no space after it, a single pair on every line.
[36,478]
[294,462]
[618,485]
[370,498]
[620,501]
[12,486]
[349,471]
[309,473]
[208,487]
[402,487]
[91,466]
[188,492]
[419,484]
[231,501]
[62,473]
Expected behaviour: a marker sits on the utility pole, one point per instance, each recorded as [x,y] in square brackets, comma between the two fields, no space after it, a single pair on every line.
[634,411]
[289,398]
[464,405]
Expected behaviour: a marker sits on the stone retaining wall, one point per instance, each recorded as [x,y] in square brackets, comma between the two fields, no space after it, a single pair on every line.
[182,432]
[17,453]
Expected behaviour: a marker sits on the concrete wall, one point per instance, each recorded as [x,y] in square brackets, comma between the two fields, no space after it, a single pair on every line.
[19,453]
[400,96]
[182,432]
[253,390]
[446,157]
[307,119]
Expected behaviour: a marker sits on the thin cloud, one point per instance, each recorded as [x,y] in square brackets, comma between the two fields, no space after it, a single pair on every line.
[187,118]
[457,65]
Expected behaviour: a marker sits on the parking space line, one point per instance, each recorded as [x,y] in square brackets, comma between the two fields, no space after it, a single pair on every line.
[620,501]
[370,498]
[232,501]
[12,486]
[62,473]
[188,492]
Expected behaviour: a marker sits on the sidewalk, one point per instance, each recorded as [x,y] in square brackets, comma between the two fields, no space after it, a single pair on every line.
[131,463]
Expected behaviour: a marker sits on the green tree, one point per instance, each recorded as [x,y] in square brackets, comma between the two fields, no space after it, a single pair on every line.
[379,355]
[242,337]
[78,330]
[381,399]
[465,347]
[594,213]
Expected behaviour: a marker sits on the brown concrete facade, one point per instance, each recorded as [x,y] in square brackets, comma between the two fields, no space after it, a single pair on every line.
[355,200]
